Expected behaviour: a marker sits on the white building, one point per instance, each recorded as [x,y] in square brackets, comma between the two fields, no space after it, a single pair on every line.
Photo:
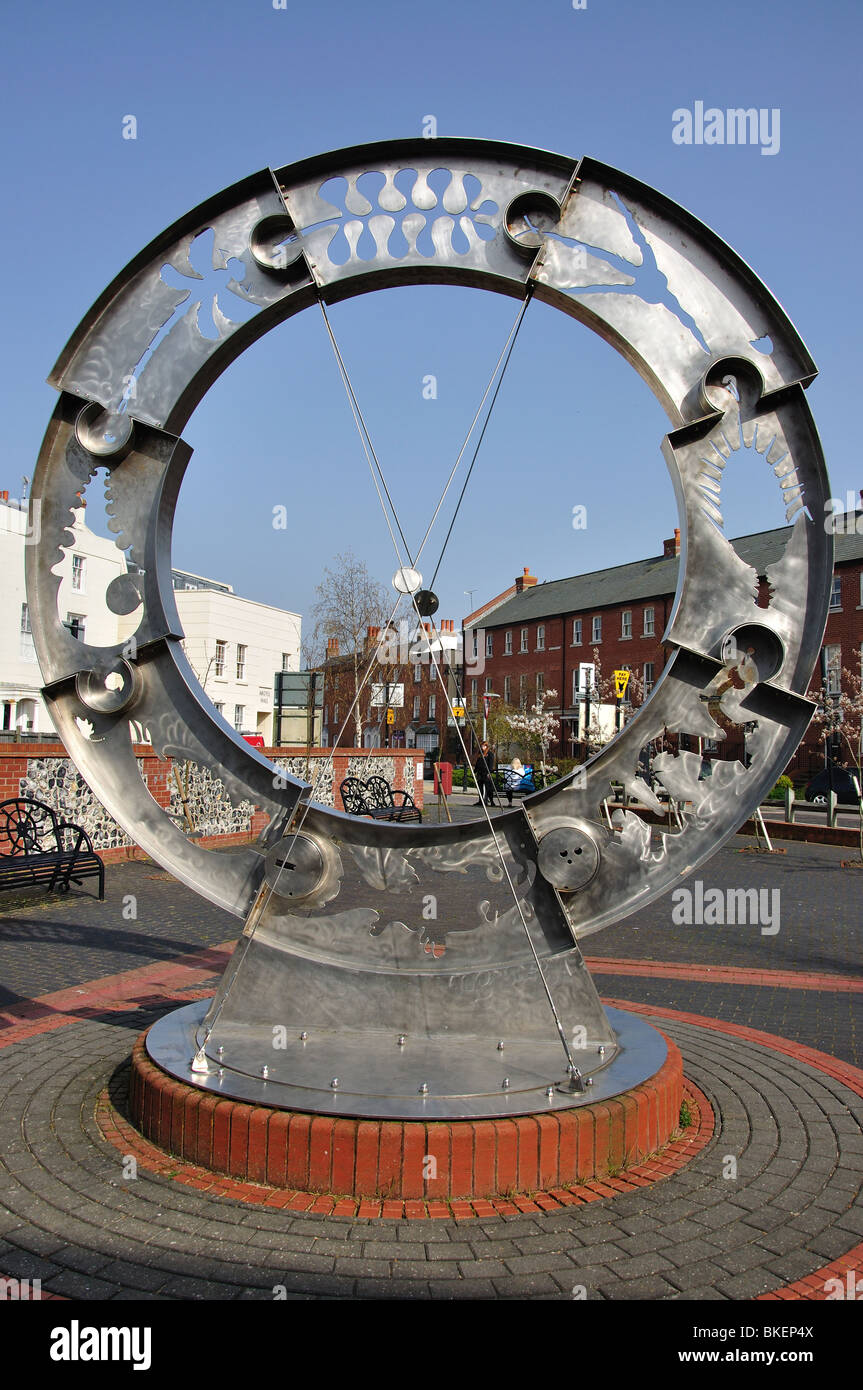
[85,570]
[235,646]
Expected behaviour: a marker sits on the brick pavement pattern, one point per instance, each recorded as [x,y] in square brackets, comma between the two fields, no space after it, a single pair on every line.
[72,1219]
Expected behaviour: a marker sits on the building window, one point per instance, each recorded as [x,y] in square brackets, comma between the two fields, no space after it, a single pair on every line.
[336,715]
[507,644]
[596,631]
[219,664]
[488,685]
[507,689]
[286,661]
[522,691]
[78,572]
[219,706]
[835,593]
[649,622]
[416,707]
[575,685]
[489,644]
[523,647]
[25,618]
[239,716]
[540,637]
[418,674]
[540,684]
[241,662]
[432,706]
[473,693]
[648,677]
[833,669]
[626,623]
[576,632]
[76,624]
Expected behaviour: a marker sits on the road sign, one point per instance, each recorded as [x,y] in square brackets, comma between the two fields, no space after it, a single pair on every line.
[391,716]
[621,681]
[458,711]
[586,675]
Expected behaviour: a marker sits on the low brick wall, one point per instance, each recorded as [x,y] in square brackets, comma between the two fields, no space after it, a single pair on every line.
[45,771]
[386,1158]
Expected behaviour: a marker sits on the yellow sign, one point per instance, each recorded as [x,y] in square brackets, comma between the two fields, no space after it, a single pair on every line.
[621,681]
[458,711]
[391,716]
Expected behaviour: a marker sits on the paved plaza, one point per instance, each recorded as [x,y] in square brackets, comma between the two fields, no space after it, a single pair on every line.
[769,1205]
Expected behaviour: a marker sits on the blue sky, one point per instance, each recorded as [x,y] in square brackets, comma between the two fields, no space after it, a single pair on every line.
[223,88]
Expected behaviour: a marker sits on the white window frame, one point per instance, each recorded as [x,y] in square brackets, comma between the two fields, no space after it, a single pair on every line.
[489,644]
[523,640]
[432,705]
[836,594]
[649,622]
[79,573]
[540,637]
[576,632]
[239,717]
[507,643]
[626,625]
[649,680]
[242,648]
[596,628]
[219,659]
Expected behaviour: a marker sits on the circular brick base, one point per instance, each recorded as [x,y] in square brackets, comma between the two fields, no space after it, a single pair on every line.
[405,1159]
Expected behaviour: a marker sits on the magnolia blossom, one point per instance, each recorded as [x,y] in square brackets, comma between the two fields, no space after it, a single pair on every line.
[538,725]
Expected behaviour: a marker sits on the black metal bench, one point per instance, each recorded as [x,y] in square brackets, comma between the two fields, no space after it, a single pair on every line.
[37,847]
[499,781]
[376,798]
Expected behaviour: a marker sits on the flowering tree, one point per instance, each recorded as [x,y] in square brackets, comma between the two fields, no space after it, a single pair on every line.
[603,693]
[839,719]
[537,727]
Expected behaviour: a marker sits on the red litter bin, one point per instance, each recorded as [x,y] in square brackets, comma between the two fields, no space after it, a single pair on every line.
[445,778]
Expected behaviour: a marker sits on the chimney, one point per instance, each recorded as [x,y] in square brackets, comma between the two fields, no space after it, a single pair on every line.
[4,496]
[332,647]
[671,547]
[525,581]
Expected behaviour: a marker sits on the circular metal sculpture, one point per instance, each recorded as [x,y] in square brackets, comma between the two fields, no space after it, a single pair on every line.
[485,1008]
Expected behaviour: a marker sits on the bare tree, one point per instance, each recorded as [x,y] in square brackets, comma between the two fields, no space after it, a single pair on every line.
[349,602]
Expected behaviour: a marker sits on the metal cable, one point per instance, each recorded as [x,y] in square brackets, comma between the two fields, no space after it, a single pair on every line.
[513,337]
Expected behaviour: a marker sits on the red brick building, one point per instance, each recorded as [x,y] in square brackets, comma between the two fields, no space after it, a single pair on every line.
[403,673]
[536,635]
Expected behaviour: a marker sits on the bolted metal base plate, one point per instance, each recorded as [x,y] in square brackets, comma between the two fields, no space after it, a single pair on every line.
[379,1077]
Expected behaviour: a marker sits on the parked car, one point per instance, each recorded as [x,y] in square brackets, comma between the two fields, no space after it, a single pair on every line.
[256,740]
[836,779]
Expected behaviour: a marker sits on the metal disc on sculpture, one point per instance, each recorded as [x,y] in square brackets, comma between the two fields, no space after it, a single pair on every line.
[338,955]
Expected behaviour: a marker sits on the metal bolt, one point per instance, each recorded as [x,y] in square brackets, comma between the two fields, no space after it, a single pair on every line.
[402,1039]
[221,1071]
[500,1046]
[601,1050]
[424,1089]
[220,1052]
[573,1071]
[303,1035]
[588,1081]
[334,1084]
[505,1083]
[265,1071]
[549,1091]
